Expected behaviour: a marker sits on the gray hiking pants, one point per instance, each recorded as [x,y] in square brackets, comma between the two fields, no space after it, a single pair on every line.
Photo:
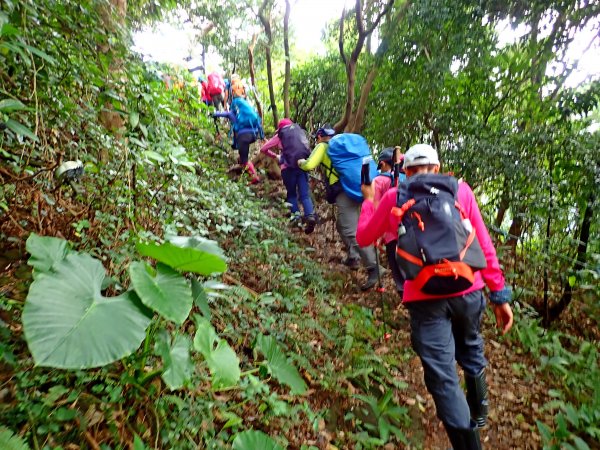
[347,221]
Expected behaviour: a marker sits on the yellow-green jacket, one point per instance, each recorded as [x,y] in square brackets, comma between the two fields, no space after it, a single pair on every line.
[319,156]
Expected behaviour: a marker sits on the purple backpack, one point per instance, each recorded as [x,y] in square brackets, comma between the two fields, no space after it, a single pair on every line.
[294,144]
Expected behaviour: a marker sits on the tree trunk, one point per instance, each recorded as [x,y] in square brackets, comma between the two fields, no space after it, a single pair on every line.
[266,22]
[350,82]
[286,47]
[113,16]
[350,121]
[359,117]
[502,207]
[584,237]
[253,76]
[514,234]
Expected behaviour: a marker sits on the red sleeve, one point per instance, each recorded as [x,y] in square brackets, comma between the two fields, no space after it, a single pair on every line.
[492,274]
[373,223]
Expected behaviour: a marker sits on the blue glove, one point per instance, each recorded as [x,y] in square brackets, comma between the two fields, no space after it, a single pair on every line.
[502,296]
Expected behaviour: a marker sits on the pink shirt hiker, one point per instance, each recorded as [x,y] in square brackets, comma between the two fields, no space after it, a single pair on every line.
[374,223]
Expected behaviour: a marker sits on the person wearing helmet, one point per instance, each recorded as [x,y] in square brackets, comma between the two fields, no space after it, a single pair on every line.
[347,217]
[445,329]
[381,184]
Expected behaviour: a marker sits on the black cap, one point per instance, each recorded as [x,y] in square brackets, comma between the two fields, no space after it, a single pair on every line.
[387,155]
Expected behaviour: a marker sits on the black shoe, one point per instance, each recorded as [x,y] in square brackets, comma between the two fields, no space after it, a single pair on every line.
[353,263]
[311,221]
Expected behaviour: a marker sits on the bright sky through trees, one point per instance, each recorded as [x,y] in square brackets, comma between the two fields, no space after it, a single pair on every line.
[168,43]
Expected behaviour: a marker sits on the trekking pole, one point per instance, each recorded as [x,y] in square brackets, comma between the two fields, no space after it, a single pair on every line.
[397,167]
[381,291]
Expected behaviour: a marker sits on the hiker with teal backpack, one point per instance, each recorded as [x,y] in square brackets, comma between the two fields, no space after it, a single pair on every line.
[292,141]
[448,257]
[246,128]
[342,157]
[386,179]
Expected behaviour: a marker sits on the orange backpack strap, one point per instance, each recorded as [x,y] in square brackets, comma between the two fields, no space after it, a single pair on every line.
[399,211]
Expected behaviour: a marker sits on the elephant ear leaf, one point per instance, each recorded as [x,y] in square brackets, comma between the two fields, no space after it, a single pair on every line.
[69,324]
[187,254]
[255,440]
[279,366]
[223,363]
[45,251]
[164,290]
[177,364]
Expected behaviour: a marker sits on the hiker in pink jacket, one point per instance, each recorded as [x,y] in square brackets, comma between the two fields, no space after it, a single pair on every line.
[445,328]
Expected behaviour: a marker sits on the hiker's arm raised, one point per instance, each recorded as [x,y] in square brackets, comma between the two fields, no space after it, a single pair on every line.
[373,223]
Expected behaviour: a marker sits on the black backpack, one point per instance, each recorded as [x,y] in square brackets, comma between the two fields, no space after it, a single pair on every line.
[294,144]
[437,245]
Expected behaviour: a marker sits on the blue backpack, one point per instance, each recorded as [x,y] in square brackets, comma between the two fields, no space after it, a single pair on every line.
[246,116]
[346,152]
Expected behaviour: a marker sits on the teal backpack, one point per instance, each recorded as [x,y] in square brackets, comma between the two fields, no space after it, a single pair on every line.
[246,116]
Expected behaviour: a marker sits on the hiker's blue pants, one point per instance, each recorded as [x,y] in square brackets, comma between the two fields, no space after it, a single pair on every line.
[296,185]
[444,332]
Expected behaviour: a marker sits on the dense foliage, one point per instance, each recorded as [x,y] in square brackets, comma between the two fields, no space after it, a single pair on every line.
[267,354]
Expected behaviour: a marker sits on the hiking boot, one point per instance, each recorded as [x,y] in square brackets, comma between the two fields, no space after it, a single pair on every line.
[374,274]
[477,397]
[352,263]
[296,220]
[464,439]
[372,278]
[310,221]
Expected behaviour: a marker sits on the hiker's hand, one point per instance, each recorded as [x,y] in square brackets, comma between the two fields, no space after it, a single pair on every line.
[504,317]
[301,162]
[367,191]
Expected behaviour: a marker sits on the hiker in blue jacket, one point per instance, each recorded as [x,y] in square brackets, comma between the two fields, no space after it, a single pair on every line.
[246,128]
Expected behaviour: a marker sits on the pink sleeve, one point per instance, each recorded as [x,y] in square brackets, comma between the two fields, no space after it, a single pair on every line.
[492,274]
[273,142]
[373,223]
[382,185]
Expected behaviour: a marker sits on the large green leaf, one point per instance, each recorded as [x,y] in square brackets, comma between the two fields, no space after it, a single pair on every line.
[9,104]
[255,440]
[200,298]
[69,324]
[279,366]
[45,251]
[187,254]
[164,290]
[177,364]
[10,441]
[20,129]
[222,361]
